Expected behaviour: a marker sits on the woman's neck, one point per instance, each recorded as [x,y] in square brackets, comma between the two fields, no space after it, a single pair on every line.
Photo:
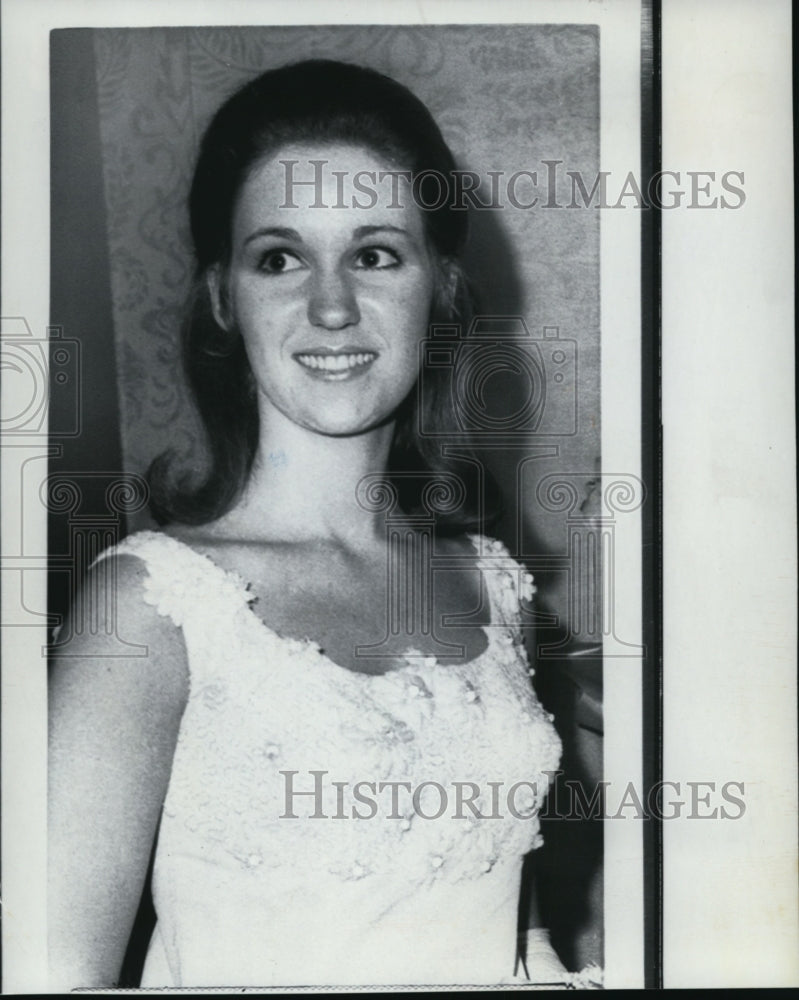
[303,484]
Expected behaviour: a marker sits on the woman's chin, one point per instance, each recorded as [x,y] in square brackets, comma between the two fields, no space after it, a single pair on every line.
[346,426]
[347,422]
[349,430]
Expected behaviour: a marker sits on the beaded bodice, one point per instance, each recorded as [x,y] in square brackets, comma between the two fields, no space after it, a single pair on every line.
[318,816]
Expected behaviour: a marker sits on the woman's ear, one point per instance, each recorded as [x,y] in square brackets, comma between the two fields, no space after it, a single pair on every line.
[448,287]
[452,274]
[217,293]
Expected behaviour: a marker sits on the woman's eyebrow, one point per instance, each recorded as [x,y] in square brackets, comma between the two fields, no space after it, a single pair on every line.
[362,231]
[279,232]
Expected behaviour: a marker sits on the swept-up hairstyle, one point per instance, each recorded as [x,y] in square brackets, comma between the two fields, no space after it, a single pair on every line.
[319,102]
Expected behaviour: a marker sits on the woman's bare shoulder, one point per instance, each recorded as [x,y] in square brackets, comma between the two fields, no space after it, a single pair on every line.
[116,641]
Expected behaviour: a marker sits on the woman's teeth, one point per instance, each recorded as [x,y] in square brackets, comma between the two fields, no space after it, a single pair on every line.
[335,362]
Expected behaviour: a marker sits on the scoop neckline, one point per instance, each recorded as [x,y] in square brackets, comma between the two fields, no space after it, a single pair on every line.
[311,648]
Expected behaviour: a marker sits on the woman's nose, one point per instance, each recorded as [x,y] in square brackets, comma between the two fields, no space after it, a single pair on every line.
[332,302]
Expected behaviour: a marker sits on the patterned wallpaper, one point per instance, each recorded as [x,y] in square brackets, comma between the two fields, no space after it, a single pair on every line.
[506,97]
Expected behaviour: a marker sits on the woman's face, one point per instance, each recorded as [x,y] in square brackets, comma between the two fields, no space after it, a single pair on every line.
[332,299]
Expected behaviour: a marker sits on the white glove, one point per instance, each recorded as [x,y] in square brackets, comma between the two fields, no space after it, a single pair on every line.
[539,959]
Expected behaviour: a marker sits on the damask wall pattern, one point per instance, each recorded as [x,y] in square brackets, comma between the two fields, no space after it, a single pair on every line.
[507,98]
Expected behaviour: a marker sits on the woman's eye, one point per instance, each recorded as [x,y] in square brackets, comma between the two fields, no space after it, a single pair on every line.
[279,261]
[373,258]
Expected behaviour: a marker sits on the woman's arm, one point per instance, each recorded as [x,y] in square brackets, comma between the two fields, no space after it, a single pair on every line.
[113,724]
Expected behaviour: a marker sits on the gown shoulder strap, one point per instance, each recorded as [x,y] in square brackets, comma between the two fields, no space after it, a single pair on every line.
[507,581]
[180,581]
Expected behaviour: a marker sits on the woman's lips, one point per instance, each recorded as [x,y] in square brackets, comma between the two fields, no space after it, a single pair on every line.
[335,365]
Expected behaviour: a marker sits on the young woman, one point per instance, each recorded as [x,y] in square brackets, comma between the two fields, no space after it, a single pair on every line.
[336,791]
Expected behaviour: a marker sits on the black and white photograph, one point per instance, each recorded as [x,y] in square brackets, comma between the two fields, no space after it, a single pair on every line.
[337,564]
